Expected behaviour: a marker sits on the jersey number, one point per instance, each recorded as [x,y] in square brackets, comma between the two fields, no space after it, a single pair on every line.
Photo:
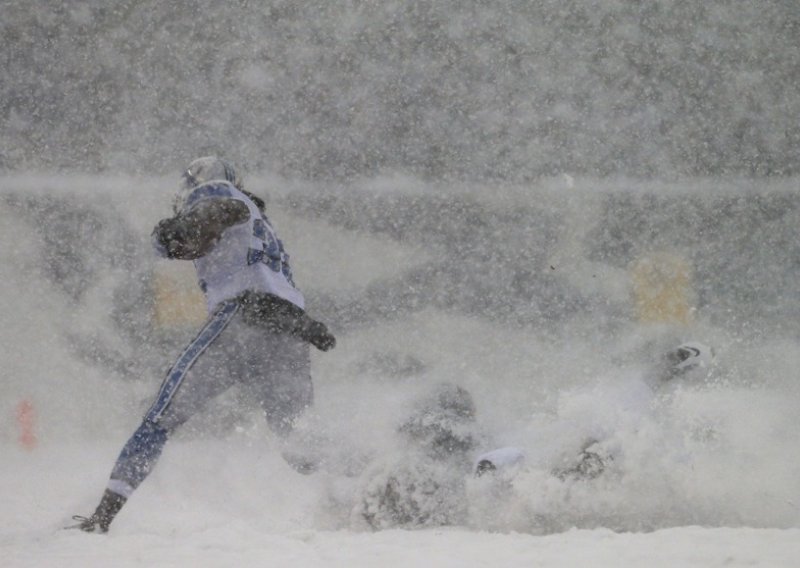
[271,252]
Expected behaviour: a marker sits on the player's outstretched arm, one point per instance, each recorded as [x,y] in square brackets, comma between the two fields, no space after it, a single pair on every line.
[193,233]
[278,315]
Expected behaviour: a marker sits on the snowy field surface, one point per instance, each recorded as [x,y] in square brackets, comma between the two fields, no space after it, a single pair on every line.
[547,347]
[250,512]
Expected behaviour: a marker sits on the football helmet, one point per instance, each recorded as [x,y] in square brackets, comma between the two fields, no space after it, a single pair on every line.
[203,170]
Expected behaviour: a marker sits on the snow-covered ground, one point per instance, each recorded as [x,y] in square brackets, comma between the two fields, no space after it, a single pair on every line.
[710,478]
[218,506]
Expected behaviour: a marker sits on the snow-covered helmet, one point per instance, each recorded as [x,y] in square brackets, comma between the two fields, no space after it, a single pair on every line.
[201,171]
[443,423]
[689,356]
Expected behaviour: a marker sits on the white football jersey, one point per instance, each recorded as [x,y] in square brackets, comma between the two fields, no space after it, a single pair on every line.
[248,256]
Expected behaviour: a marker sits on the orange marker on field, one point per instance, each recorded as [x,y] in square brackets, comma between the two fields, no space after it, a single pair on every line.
[26,419]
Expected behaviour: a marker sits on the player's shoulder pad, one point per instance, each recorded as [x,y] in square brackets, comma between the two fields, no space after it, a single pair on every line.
[212,190]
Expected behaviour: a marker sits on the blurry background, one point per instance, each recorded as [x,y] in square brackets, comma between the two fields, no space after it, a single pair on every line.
[514,196]
[507,90]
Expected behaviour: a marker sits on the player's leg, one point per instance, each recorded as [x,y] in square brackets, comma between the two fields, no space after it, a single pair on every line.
[278,377]
[198,375]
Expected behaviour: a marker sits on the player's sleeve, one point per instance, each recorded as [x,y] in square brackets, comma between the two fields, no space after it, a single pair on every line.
[194,231]
[276,314]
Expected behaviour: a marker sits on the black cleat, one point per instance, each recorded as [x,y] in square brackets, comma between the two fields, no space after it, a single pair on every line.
[590,465]
[90,524]
[109,506]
